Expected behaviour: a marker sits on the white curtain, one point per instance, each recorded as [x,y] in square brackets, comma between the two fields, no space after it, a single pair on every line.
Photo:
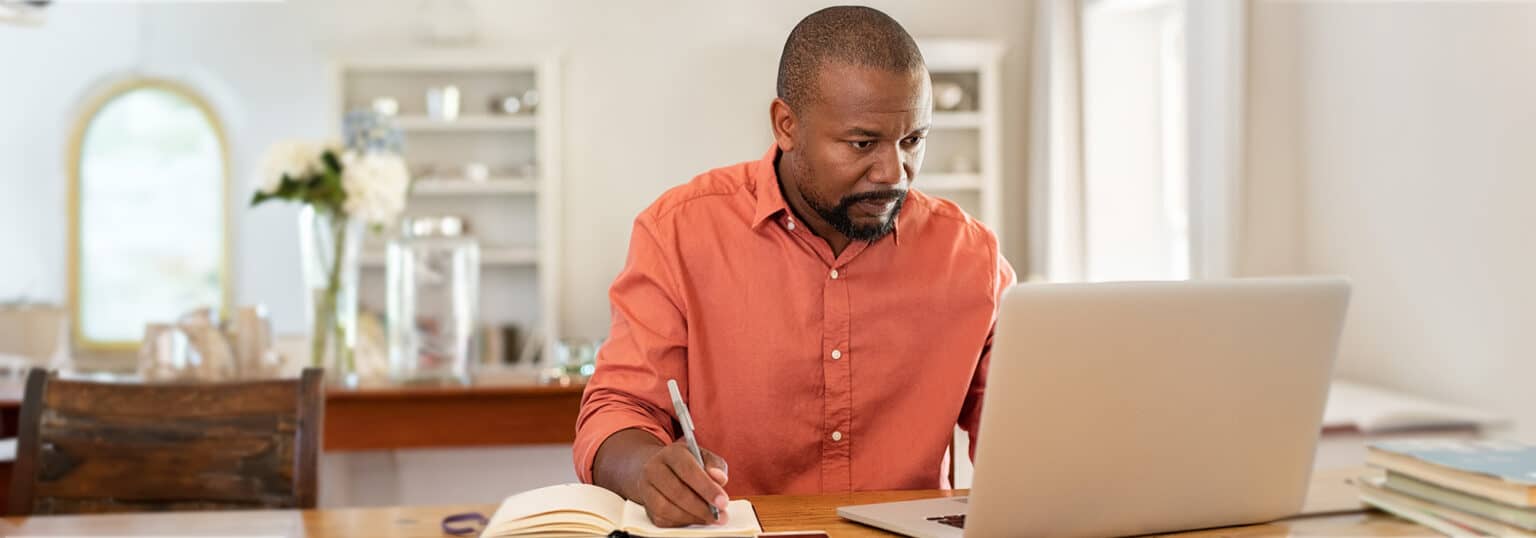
[1211,137]
[1056,136]
[1217,38]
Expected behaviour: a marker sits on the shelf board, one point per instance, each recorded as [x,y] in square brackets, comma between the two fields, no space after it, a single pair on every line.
[453,60]
[435,66]
[510,257]
[956,120]
[467,123]
[458,187]
[489,257]
[948,182]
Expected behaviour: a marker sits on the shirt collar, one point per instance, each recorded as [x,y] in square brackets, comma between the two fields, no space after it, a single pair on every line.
[770,201]
[765,180]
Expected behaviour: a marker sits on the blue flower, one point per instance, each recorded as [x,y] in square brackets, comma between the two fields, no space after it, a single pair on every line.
[366,131]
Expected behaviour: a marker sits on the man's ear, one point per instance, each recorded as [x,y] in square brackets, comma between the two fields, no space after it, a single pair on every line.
[782,117]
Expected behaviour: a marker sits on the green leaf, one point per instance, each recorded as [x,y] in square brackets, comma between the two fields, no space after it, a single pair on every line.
[335,194]
[332,161]
[321,189]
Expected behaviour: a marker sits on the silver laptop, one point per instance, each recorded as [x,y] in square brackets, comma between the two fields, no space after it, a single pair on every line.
[1136,408]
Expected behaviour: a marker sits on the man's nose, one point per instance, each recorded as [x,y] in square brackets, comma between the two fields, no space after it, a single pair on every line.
[889,166]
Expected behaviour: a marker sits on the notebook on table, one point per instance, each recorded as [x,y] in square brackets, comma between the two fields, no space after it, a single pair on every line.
[581,510]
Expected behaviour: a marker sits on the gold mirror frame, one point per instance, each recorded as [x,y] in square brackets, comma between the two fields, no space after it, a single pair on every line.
[83,122]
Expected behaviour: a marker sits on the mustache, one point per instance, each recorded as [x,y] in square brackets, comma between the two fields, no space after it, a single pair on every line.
[874,196]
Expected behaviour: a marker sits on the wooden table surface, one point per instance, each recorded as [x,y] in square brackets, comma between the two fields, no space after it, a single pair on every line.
[1332,497]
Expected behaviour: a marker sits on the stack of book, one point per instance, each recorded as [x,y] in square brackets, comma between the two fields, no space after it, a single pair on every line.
[1457,487]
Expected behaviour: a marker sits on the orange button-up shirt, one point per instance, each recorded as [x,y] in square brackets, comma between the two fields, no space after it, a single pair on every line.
[807,372]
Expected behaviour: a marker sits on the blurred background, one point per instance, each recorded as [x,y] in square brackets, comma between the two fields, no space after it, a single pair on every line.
[1388,142]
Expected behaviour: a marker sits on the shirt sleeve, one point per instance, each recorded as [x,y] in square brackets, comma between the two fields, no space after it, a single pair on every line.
[647,345]
[970,413]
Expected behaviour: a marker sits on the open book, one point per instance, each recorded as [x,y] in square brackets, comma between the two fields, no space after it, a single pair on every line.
[580,510]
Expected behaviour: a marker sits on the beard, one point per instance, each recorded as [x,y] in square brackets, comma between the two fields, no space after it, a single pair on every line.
[841,218]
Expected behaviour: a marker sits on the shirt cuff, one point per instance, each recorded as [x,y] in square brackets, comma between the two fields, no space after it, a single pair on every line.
[599,427]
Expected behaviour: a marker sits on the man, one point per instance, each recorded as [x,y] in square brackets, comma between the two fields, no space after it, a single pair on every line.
[827,325]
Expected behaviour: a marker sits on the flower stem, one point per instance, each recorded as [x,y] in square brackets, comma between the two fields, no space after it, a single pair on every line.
[326,311]
[318,333]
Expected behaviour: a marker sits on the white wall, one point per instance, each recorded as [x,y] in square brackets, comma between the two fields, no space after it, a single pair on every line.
[658,91]
[41,75]
[1395,143]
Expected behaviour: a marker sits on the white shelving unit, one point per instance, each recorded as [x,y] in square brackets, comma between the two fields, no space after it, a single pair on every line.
[515,213]
[971,133]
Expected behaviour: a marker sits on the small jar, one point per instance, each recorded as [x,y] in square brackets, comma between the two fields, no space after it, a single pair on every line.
[433,271]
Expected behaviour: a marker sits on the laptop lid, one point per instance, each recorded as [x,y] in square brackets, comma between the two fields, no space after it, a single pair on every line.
[1132,408]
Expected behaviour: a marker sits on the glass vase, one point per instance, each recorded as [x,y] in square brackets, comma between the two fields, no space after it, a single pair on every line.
[433,308]
[329,248]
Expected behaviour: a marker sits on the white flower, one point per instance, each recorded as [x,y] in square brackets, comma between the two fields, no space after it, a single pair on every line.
[300,161]
[375,184]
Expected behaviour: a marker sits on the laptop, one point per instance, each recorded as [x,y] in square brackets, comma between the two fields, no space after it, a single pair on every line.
[1143,407]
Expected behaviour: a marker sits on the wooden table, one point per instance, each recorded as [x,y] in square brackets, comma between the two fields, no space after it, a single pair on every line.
[440,417]
[1332,500]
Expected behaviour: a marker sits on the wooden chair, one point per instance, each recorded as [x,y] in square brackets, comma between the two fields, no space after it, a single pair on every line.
[89,447]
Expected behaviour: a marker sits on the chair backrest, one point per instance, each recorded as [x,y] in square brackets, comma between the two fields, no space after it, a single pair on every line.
[89,447]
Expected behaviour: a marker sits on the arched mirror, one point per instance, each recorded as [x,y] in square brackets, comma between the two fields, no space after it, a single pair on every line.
[148,212]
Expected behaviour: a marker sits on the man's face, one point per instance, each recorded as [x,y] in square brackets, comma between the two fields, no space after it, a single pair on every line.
[861,145]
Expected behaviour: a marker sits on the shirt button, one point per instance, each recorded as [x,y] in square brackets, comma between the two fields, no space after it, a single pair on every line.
[836,354]
[837,436]
[789,223]
[834,274]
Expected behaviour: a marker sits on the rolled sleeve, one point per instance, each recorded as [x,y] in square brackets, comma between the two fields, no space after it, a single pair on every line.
[609,415]
[647,345]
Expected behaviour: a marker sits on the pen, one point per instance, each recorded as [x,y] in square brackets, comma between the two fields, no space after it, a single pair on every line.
[685,419]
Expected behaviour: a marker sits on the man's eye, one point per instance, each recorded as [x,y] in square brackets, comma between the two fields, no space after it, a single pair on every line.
[863,144]
[912,140]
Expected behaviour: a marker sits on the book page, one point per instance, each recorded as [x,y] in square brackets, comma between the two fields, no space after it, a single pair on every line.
[741,520]
[566,508]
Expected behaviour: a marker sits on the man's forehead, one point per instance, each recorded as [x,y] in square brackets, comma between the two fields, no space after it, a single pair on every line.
[850,88]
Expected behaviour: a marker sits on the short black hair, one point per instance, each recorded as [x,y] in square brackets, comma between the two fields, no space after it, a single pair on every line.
[854,35]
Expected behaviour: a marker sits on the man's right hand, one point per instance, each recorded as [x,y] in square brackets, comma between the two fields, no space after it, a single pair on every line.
[667,480]
[677,492]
